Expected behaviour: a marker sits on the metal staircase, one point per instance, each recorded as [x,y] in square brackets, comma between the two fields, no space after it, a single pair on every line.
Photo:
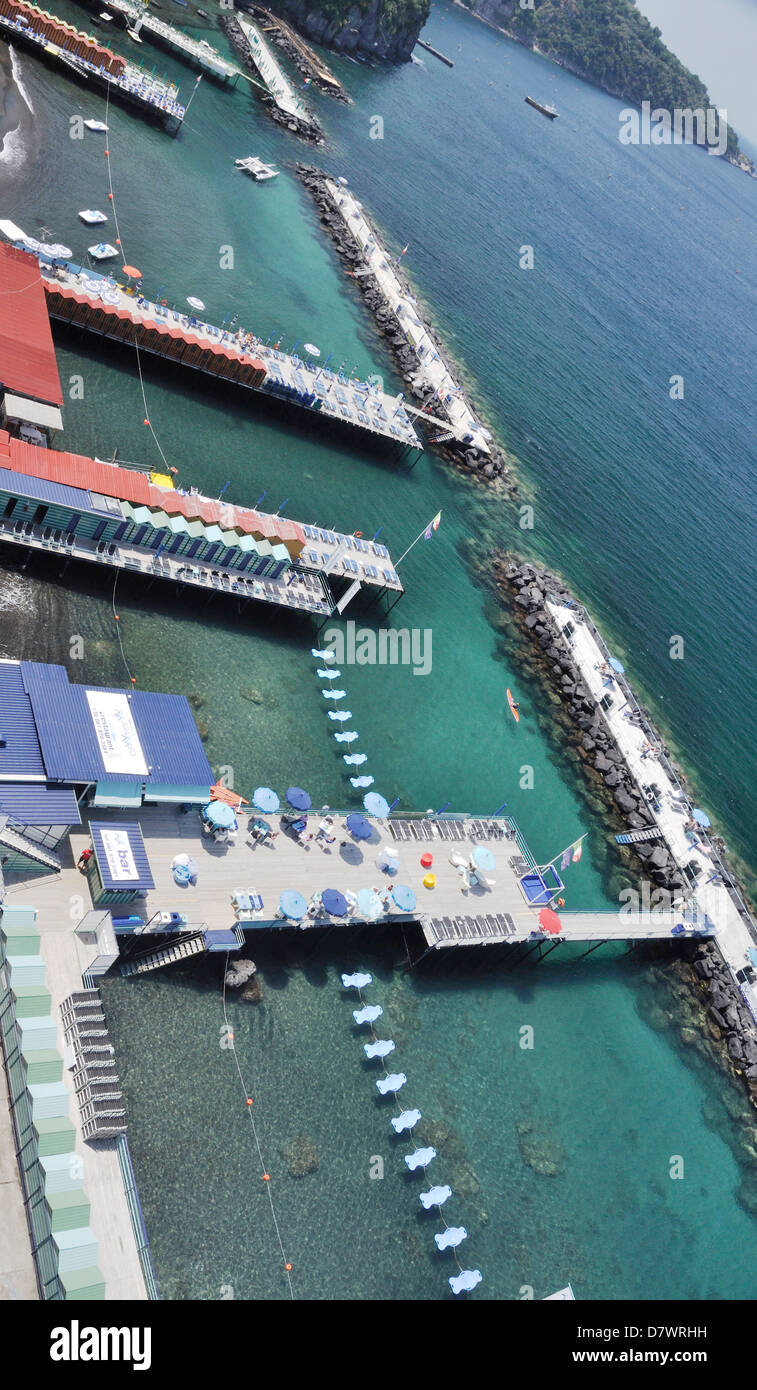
[193,944]
[13,840]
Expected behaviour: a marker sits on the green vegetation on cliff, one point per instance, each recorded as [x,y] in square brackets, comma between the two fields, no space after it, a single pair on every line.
[611,43]
[395,14]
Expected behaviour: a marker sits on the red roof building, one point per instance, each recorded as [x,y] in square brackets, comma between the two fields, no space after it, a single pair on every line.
[27,356]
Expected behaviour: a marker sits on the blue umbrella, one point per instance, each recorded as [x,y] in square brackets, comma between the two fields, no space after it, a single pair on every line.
[358,826]
[298,798]
[334,902]
[701,818]
[404,897]
[265,799]
[483,857]
[293,905]
[369,905]
[376,804]
[616,665]
[219,813]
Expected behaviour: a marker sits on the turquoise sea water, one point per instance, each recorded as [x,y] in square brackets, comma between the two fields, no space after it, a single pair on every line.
[643,268]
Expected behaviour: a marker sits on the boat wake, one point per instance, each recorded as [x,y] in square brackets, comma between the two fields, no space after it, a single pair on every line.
[13,146]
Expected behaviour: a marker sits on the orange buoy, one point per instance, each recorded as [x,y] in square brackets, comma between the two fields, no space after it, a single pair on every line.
[110,195]
[249,1098]
[116,616]
[266,1177]
[288,1268]
[146,421]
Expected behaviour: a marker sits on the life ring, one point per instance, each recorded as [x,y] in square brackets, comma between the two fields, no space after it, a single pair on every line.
[560,902]
[358,534]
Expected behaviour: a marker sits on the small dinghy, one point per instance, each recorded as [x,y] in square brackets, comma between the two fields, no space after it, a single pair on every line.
[95,125]
[92,217]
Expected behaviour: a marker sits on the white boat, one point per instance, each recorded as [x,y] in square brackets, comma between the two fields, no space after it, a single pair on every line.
[95,125]
[92,217]
[105,17]
[103,251]
[134,35]
[257,169]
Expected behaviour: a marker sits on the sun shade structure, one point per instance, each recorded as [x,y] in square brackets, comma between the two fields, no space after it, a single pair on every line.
[27,356]
[376,805]
[293,905]
[298,798]
[358,826]
[334,902]
[220,814]
[549,921]
[369,905]
[265,799]
[404,897]
[701,818]
[483,858]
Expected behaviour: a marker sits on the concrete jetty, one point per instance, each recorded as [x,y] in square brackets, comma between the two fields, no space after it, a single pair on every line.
[77,54]
[310,63]
[435,51]
[623,751]
[197,52]
[284,104]
[455,429]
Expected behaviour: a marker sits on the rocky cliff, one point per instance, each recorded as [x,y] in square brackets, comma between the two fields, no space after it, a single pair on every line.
[377,28]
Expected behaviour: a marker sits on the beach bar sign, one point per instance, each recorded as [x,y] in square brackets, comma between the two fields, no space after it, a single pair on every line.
[119,855]
[116,733]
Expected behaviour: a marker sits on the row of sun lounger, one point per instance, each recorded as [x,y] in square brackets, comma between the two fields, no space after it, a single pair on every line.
[450,830]
[490,927]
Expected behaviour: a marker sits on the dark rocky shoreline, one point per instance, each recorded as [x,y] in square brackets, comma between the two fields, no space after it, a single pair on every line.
[309,130]
[717,1019]
[492,468]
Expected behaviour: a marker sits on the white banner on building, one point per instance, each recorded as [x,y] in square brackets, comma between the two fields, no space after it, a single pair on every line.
[116,733]
[119,855]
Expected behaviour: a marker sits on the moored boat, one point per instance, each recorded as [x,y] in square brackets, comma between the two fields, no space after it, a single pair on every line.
[550,111]
[257,169]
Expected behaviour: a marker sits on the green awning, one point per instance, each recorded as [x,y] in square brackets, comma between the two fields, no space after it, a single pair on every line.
[177,524]
[247,543]
[230,538]
[196,528]
[159,520]
[122,794]
[141,515]
[213,533]
[163,791]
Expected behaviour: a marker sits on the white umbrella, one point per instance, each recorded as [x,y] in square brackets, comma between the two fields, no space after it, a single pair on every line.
[58,249]
[110,296]
[195,303]
[311,348]
[32,243]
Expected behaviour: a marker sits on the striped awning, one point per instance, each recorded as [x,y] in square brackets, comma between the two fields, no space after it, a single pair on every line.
[164,791]
[121,794]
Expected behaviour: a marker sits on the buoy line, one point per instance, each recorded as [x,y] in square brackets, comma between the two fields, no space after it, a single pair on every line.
[119,243]
[424,1166]
[249,1106]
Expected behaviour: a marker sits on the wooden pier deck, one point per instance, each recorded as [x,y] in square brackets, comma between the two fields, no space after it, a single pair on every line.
[270,869]
[74,296]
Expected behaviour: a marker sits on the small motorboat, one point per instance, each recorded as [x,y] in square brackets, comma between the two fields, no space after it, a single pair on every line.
[134,35]
[92,217]
[95,125]
[103,251]
[105,17]
[203,14]
[257,169]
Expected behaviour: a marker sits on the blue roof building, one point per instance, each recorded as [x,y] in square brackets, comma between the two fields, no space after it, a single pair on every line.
[60,741]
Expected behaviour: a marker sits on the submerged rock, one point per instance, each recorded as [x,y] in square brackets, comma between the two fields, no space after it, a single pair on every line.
[239,972]
[541,1147]
[300,1156]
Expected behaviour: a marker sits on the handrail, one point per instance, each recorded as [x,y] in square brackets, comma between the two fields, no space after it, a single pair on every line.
[137,1217]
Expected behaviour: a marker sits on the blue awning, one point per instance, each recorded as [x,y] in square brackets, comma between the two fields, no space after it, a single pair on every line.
[121,855]
[36,803]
